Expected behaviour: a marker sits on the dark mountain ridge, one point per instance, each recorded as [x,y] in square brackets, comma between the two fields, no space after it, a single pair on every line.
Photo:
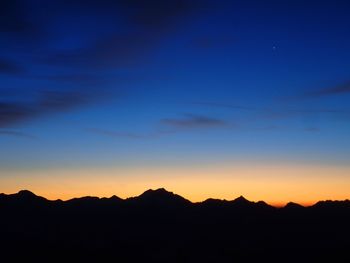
[162,196]
[160,226]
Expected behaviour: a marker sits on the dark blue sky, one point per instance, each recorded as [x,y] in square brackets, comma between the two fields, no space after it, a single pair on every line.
[132,82]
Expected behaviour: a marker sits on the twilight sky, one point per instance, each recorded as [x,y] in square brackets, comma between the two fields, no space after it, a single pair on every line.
[206,98]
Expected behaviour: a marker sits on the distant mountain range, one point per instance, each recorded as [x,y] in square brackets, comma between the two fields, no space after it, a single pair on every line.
[158,197]
[160,226]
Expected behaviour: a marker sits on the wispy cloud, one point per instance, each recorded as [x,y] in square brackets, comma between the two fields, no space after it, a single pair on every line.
[312,129]
[343,88]
[131,135]
[117,134]
[9,67]
[146,22]
[223,105]
[285,113]
[167,126]
[46,102]
[16,134]
[194,121]
[279,112]
[13,112]
[86,80]
[260,118]
[125,33]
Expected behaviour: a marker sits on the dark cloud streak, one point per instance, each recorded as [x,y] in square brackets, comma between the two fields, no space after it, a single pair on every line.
[194,121]
[167,126]
[14,112]
[147,22]
[9,67]
[117,134]
[16,134]
[336,90]
[131,135]
[48,102]
[273,112]
[112,52]
[223,105]
[135,28]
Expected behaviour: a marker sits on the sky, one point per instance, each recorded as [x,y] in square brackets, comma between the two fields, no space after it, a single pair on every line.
[205,98]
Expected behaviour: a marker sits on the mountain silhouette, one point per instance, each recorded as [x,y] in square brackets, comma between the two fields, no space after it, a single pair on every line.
[26,195]
[241,200]
[292,205]
[159,197]
[22,198]
[161,226]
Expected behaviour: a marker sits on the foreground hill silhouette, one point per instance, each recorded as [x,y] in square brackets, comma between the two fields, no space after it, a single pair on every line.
[160,226]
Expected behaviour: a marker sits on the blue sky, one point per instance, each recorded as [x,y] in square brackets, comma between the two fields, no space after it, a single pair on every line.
[108,83]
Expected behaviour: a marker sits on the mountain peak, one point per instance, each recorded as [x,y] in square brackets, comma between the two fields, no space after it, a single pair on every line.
[115,198]
[241,199]
[292,205]
[160,196]
[26,194]
[157,192]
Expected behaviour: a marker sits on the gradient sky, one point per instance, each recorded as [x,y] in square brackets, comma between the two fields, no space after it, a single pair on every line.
[206,98]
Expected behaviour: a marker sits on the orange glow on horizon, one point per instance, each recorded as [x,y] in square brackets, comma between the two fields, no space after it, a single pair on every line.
[275,185]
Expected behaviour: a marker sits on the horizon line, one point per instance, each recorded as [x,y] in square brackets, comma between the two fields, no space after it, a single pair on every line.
[276,205]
